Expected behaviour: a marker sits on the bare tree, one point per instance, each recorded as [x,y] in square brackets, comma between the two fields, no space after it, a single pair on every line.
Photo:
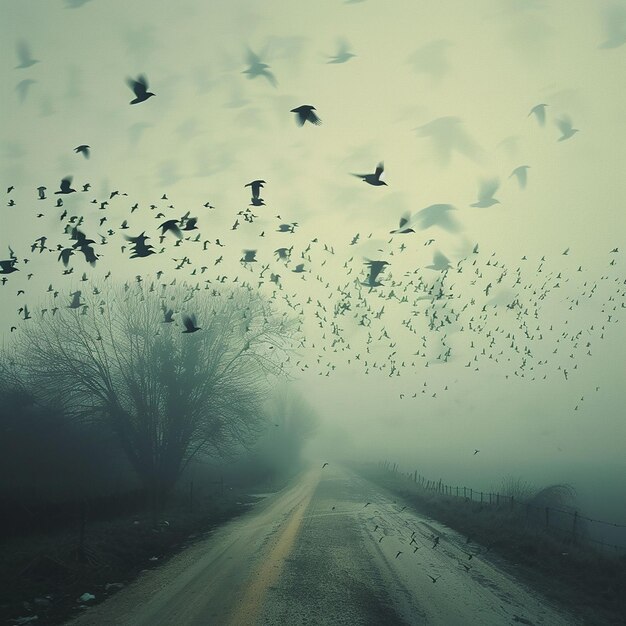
[123,358]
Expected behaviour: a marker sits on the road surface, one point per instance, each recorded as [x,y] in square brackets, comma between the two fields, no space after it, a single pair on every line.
[313,554]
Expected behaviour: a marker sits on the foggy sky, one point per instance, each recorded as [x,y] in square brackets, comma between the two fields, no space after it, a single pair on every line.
[210,130]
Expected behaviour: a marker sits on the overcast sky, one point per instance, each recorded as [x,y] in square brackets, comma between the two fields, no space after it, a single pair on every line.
[441,92]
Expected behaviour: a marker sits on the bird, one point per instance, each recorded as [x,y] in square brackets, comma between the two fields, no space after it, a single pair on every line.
[476,451]
[374,179]
[140,89]
[521,174]
[375,268]
[398,554]
[65,186]
[24,56]
[140,248]
[440,263]
[249,256]
[255,187]
[190,324]
[83,149]
[343,53]
[305,113]
[486,190]
[64,256]
[23,87]
[172,227]
[299,268]
[258,68]
[437,215]
[75,303]
[367,504]
[614,27]
[42,192]
[325,464]
[8,266]
[434,578]
[539,111]
[565,126]
[403,229]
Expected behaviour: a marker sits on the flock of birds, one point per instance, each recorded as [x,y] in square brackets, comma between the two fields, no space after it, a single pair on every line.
[368,316]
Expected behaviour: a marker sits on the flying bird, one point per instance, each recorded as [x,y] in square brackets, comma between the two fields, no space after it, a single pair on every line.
[172,227]
[255,187]
[325,464]
[343,53]
[23,87]
[486,190]
[539,111]
[258,68]
[434,578]
[65,186]
[140,89]
[190,324]
[441,263]
[373,179]
[565,126]
[437,215]
[375,268]
[83,149]
[403,227]
[521,174]
[305,113]
[24,56]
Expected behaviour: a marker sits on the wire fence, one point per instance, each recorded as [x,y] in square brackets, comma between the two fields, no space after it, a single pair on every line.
[568,522]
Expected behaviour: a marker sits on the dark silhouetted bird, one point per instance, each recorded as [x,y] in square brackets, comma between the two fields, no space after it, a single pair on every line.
[140,249]
[190,324]
[249,256]
[255,187]
[305,113]
[434,578]
[373,179]
[8,266]
[375,268]
[83,149]
[325,464]
[140,89]
[65,186]
[172,227]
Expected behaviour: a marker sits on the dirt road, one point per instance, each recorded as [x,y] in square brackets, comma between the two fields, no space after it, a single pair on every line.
[331,548]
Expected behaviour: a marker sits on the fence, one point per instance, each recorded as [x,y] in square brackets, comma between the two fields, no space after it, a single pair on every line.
[566,522]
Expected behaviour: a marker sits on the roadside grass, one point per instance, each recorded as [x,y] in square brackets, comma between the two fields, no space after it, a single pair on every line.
[45,574]
[591,584]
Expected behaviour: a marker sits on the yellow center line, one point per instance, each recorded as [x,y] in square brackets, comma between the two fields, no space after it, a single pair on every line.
[268,573]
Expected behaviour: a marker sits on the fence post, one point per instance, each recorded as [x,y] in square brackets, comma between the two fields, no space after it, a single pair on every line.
[547,517]
[471,494]
[490,494]
[457,492]
[415,476]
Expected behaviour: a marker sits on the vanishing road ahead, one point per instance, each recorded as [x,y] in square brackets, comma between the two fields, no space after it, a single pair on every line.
[313,554]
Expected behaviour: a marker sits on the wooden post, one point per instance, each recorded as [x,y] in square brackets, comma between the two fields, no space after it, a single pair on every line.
[415,476]
[471,494]
[457,492]
[465,492]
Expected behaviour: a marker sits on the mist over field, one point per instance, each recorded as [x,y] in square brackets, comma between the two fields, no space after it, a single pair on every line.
[241,239]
